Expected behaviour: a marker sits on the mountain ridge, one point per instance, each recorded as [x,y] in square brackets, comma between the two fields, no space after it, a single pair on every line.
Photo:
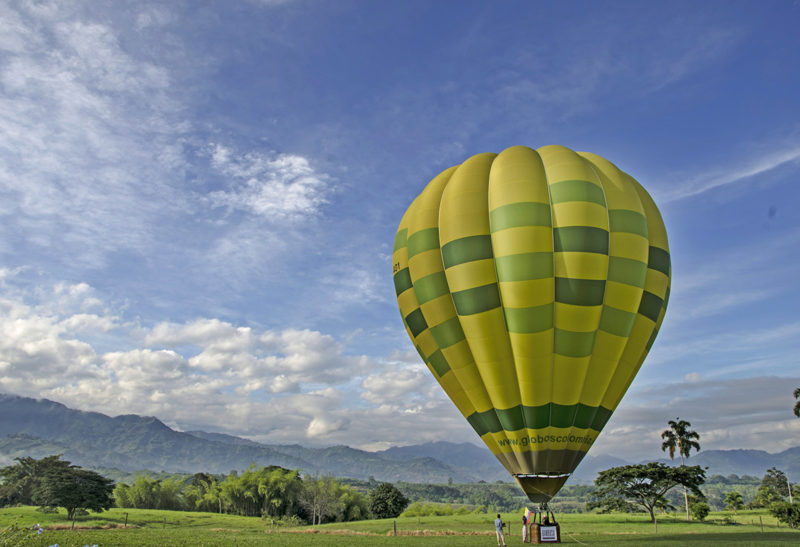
[129,442]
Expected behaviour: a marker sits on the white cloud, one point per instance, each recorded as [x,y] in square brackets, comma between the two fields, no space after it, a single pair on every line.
[750,413]
[89,135]
[278,188]
[738,174]
[204,373]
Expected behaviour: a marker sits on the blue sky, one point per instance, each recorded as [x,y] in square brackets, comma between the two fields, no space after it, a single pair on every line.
[198,201]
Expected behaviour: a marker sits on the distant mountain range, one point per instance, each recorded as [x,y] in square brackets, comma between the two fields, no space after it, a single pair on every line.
[39,427]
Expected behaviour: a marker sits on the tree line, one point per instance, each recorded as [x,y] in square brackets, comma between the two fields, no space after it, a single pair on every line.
[270,492]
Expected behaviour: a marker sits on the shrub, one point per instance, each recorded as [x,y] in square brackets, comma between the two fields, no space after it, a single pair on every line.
[15,535]
[788,513]
[700,510]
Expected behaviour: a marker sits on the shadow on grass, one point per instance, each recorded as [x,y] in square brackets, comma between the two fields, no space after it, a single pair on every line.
[701,538]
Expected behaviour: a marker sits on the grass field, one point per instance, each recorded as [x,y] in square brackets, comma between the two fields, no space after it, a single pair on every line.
[157,528]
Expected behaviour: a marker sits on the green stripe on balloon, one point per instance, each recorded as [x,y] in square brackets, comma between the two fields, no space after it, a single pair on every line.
[576,190]
[423,240]
[580,239]
[623,220]
[476,299]
[400,239]
[658,259]
[651,305]
[515,215]
[627,271]
[466,249]
[529,320]
[616,321]
[402,281]
[539,417]
[448,333]
[573,344]
[430,287]
[439,363]
[580,292]
[416,322]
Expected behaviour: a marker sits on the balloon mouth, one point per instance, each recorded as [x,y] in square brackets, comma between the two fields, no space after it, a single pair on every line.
[541,488]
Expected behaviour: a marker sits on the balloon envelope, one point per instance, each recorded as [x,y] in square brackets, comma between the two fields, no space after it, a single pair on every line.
[533,283]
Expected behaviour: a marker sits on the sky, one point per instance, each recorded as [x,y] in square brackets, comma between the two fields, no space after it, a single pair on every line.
[198,202]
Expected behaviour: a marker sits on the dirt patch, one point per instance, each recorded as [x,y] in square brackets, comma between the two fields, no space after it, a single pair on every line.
[389,533]
[438,533]
[108,526]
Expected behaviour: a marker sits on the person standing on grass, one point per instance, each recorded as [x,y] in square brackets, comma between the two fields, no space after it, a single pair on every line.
[524,530]
[498,528]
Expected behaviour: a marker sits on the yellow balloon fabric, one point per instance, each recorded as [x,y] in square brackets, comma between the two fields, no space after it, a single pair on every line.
[533,283]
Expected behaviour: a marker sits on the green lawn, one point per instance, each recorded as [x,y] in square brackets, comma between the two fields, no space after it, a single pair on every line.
[159,528]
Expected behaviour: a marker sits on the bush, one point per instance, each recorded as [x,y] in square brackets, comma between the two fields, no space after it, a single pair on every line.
[785,512]
[386,501]
[15,535]
[700,510]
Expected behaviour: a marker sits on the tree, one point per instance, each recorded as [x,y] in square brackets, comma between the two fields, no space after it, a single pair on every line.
[797,404]
[624,488]
[680,437]
[700,509]
[320,497]
[733,500]
[788,513]
[765,496]
[21,479]
[386,501]
[776,479]
[74,488]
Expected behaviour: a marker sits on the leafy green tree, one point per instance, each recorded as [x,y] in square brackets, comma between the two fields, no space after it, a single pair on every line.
[354,505]
[74,488]
[628,487]
[765,496]
[280,489]
[320,498]
[386,501]
[788,513]
[699,509]
[679,437]
[776,479]
[21,479]
[122,496]
[734,501]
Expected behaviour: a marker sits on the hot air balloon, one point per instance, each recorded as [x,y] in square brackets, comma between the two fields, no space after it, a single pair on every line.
[532,284]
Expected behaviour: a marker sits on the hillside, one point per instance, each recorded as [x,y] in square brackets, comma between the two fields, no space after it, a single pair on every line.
[39,427]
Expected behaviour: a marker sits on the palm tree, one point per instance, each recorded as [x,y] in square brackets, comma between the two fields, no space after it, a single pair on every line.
[797,404]
[680,437]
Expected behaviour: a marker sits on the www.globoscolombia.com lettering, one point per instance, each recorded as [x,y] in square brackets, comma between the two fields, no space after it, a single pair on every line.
[538,439]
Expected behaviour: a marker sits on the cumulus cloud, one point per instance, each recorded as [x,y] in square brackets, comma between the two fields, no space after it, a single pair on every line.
[205,373]
[752,413]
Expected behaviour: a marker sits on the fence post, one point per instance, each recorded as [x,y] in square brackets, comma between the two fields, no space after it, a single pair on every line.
[395,527]
[762,523]
[126,520]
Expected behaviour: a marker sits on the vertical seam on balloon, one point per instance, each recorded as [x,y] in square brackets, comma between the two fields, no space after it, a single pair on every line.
[512,457]
[553,337]
[632,184]
[500,296]
[602,305]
